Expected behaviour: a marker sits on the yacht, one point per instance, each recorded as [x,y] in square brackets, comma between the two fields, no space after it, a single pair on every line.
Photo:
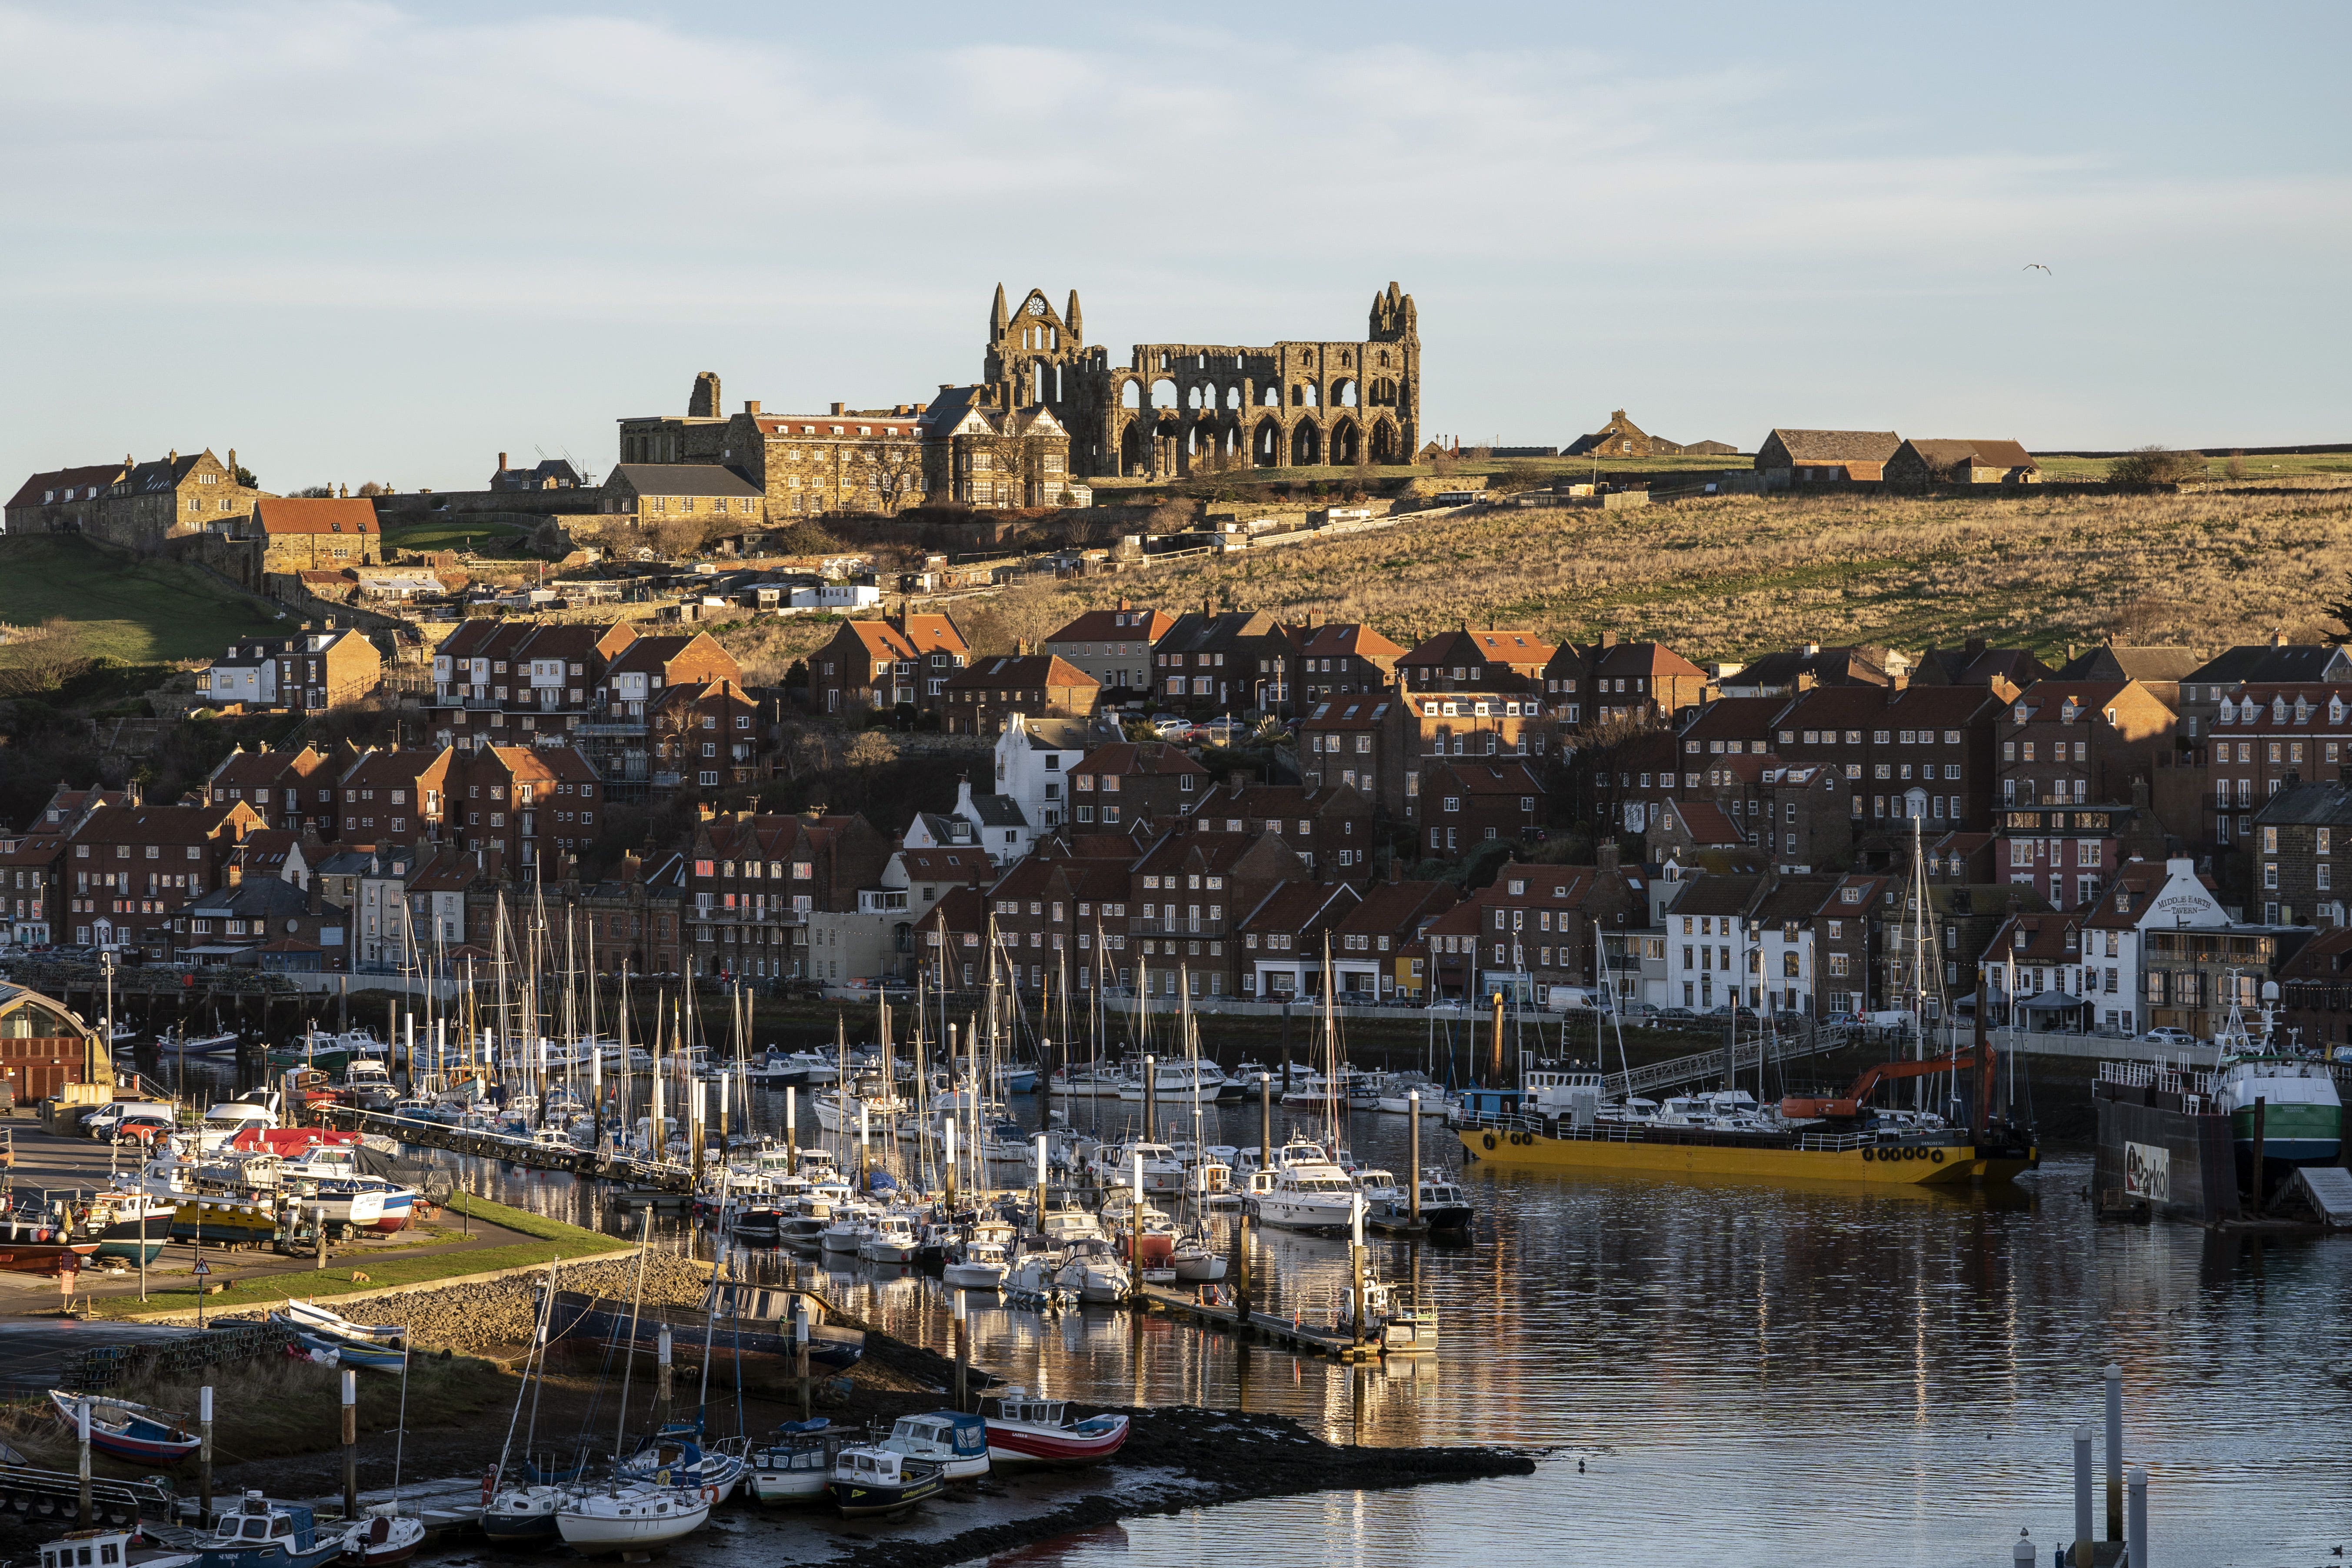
[1314,1197]
[890,1239]
[1180,1080]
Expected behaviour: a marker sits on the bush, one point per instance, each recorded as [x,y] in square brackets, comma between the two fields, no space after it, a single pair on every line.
[2155,466]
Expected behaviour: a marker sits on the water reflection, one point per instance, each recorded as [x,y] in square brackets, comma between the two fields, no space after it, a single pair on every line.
[1798,1373]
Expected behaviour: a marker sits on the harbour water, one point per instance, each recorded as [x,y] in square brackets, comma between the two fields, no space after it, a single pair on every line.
[1766,1374]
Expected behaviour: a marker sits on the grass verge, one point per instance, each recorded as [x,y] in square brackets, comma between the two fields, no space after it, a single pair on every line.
[115,606]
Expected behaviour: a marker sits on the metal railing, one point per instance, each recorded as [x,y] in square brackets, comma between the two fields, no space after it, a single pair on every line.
[1819,1040]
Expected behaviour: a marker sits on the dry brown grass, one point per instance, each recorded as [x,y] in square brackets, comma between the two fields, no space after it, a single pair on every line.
[1729,578]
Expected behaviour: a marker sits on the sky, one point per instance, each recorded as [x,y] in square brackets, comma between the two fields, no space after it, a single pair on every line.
[384,241]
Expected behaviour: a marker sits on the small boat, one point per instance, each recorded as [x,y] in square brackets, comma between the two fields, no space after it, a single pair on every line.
[675,1459]
[958,1444]
[797,1464]
[1026,1431]
[980,1265]
[870,1482]
[523,1516]
[752,1320]
[186,1044]
[891,1239]
[1194,1264]
[129,1431]
[258,1534]
[111,1549]
[628,1517]
[311,1315]
[347,1352]
[33,1244]
[128,1224]
[382,1540]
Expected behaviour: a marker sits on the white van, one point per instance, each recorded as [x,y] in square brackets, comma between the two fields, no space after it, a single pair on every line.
[99,1123]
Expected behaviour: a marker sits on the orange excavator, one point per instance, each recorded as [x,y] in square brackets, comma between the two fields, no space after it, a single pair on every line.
[1800,1107]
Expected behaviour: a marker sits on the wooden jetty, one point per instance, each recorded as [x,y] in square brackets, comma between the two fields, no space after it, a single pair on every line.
[662,1178]
[1260,1327]
[35,1495]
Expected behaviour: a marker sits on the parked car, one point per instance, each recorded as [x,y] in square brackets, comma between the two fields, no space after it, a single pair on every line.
[2168,1035]
[100,1123]
[1169,727]
[1674,1015]
[1224,731]
[141,1127]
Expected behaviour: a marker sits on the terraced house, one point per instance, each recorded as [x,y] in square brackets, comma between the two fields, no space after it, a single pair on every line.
[752,881]
[136,505]
[127,869]
[897,662]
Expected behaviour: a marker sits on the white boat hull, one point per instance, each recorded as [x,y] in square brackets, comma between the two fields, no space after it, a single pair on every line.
[630,1521]
[974,1275]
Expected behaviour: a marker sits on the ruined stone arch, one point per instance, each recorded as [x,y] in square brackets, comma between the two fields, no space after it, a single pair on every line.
[1306,443]
[1270,396]
[1346,441]
[1266,443]
[1132,457]
[1387,446]
[1343,392]
[1130,393]
[1305,394]
[1233,395]
[1175,394]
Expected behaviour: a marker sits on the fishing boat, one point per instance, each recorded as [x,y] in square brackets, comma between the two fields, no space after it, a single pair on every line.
[250,1219]
[2303,1113]
[382,1540]
[31,1243]
[219,1044]
[1039,1431]
[111,1549]
[796,1464]
[311,1315]
[628,1517]
[258,1534]
[957,1443]
[128,1431]
[870,1482]
[129,1224]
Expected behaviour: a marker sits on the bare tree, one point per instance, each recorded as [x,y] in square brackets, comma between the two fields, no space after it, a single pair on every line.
[2155,466]
[890,472]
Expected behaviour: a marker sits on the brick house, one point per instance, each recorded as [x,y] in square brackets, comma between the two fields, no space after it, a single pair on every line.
[1925,749]
[401,796]
[1370,940]
[1337,661]
[532,804]
[2274,663]
[2303,836]
[129,868]
[902,661]
[1329,828]
[1816,457]
[1211,662]
[1466,803]
[312,533]
[2006,671]
[136,505]
[1283,937]
[1510,662]
[979,698]
[1114,645]
[752,881]
[265,924]
[1684,829]
[1787,671]
[32,882]
[707,493]
[1535,928]
[2316,990]
[1468,724]
[1188,893]
[1806,827]
[1122,783]
[1848,944]
[321,667]
[703,735]
[2071,742]
[2259,738]
[291,789]
[2069,854]
[1353,741]
[520,682]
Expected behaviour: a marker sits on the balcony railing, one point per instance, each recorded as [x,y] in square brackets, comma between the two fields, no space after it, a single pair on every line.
[1182,927]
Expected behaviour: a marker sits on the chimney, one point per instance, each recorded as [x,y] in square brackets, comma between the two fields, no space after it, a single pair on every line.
[1604,855]
[840,409]
[2139,791]
[1608,640]
[1396,871]
[2278,639]
[235,875]
[502,462]
[232,465]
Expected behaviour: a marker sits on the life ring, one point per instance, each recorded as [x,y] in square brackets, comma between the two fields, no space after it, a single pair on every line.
[1489,1139]
[1865,1155]
[1937,1155]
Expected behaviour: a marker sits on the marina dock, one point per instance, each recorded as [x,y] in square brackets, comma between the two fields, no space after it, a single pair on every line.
[1258,1327]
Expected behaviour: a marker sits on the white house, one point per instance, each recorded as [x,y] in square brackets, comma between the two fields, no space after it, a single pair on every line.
[2104,959]
[248,678]
[1033,759]
[994,822]
[1712,956]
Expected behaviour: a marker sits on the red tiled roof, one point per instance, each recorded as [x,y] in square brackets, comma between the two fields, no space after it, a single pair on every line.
[315,514]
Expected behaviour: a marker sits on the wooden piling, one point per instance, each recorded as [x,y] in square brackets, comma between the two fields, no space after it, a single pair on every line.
[2115,1452]
[1413,1157]
[81,1432]
[962,1352]
[204,1447]
[351,1444]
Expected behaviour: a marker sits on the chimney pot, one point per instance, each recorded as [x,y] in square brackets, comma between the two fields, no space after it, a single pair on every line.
[840,409]
[502,462]
[751,405]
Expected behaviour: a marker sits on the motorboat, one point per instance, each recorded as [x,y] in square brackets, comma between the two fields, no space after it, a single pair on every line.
[382,1539]
[870,1482]
[128,1224]
[1317,1198]
[111,1549]
[1091,1272]
[1181,1079]
[139,1433]
[1444,1204]
[796,1464]
[957,1443]
[1037,1431]
[258,1534]
[219,1044]
[628,1516]
[890,1239]
[1163,1172]
[1194,1263]
[977,1265]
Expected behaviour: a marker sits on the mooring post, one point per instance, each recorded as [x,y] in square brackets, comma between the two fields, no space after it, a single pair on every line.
[1286,1048]
[791,1131]
[319,1223]
[2115,1452]
[1135,1237]
[963,1350]
[947,1131]
[1241,1273]
[1150,1088]
[81,1432]
[2081,1555]
[661,1385]
[2262,1142]
[1412,1156]
[1265,1122]
[800,1350]
[351,1444]
[1355,1267]
[2136,1550]
[1041,1183]
[2022,1555]
[204,1449]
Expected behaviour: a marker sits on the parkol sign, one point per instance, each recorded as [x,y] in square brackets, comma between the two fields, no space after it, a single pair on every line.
[2148,1172]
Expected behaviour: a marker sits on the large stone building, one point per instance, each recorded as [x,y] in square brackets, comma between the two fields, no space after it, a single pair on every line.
[850,459]
[134,504]
[1175,406]
[977,451]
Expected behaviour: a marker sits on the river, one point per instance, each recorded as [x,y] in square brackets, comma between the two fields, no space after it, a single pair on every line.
[1760,1374]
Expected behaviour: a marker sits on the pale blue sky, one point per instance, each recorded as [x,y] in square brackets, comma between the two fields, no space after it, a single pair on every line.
[387,241]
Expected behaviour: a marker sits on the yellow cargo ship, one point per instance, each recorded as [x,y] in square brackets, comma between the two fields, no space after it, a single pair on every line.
[1859,1158]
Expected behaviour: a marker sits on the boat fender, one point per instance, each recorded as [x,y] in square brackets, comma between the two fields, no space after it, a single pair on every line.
[1865,1155]
[489,1483]
[1490,1140]
[1937,1155]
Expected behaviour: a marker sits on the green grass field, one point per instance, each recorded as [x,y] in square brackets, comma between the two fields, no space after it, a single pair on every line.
[456,533]
[119,607]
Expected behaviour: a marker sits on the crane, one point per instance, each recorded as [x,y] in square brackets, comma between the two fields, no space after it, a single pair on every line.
[1802,1107]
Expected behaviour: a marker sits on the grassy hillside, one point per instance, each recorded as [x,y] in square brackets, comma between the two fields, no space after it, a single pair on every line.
[1732,577]
[116,607]
[451,533]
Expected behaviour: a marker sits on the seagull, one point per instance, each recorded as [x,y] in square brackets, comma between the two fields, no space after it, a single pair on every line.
[2035,267]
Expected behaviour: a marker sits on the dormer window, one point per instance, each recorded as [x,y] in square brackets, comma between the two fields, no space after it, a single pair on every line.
[2020,713]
